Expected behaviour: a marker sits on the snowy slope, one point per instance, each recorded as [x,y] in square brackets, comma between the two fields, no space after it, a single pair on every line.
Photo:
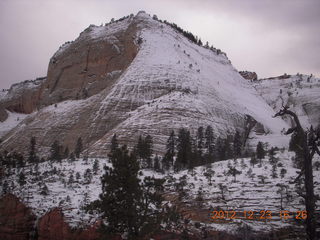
[174,83]
[11,122]
[247,193]
[300,92]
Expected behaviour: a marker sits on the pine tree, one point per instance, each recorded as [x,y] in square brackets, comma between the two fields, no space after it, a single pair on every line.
[18,158]
[87,176]
[95,167]
[44,190]
[272,152]
[156,164]
[221,153]
[234,172]
[209,144]
[72,157]
[32,151]
[114,144]
[170,153]
[200,144]
[237,145]
[66,153]
[227,148]
[55,151]
[148,145]
[209,173]
[22,179]
[260,151]
[253,160]
[71,179]
[78,147]
[125,201]
[184,148]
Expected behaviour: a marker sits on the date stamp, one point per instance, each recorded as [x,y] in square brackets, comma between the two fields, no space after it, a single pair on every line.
[258,215]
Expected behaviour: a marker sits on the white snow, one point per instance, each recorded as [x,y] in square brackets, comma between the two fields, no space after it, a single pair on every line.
[11,122]
[248,193]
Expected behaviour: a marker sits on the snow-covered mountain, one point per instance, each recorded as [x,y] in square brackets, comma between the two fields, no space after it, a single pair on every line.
[139,76]
[299,92]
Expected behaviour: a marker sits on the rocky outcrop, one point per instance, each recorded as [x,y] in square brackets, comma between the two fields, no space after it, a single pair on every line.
[91,63]
[252,76]
[16,220]
[3,114]
[22,97]
[52,226]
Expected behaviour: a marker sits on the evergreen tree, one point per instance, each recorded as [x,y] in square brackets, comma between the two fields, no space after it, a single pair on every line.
[95,167]
[209,173]
[78,148]
[55,151]
[200,144]
[227,148]
[22,179]
[253,160]
[44,190]
[260,151]
[237,145]
[32,158]
[209,144]
[66,153]
[148,145]
[184,147]
[78,176]
[156,164]
[87,176]
[272,152]
[234,172]
[125,201]
[144,150]
[114,144]
[221,153]
[140,147]
[71,179]
[18,158]
[72,157]
[170,153]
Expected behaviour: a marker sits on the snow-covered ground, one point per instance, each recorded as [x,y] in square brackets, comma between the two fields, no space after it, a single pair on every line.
[254,190]
[11,122]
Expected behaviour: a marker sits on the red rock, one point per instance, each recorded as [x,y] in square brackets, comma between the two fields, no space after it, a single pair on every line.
[16,220]
[52,226]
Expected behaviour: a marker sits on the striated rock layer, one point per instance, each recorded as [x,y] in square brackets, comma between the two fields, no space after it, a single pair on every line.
[138,76]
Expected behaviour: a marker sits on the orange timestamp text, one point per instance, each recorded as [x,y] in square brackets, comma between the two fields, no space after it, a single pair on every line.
[257,215]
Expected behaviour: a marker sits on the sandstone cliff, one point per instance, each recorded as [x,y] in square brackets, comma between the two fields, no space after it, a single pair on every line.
[138,76]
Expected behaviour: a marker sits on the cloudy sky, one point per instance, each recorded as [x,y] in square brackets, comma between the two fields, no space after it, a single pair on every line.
[270,37]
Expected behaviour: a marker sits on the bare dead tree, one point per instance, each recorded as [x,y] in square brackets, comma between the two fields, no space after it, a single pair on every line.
[309,146]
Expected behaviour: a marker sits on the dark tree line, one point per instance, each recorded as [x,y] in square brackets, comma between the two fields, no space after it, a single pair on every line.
[185,152]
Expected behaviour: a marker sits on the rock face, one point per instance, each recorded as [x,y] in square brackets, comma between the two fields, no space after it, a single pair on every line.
[135,77]
[22,97]
[16,220]
[252,76]
[52,226]
[90,64]
[3,114]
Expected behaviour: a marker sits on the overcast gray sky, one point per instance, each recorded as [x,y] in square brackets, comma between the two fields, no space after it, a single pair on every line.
[270,37]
